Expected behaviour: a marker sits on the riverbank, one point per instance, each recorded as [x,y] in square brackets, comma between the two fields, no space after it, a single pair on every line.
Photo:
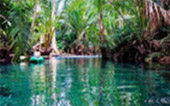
[136,51]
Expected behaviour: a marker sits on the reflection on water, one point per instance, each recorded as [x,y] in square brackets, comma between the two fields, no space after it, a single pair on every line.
[82,82]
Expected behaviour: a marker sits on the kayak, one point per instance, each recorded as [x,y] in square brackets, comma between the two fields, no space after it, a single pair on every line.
[37,59]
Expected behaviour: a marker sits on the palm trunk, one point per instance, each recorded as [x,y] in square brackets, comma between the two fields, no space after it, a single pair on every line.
[102,37]
[53,42]
[47,43]
[34,17]
[101,27]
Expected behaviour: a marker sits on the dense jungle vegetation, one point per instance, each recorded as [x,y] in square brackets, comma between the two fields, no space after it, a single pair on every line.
[122,30]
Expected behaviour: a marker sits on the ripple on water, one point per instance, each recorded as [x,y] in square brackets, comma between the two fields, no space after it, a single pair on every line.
[166,100]
[163,100]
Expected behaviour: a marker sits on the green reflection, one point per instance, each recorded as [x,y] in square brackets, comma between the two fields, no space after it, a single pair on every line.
[82,82]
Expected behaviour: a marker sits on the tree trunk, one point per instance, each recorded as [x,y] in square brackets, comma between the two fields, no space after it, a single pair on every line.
[102,37]
[34,17]
[53,42]
[101,27]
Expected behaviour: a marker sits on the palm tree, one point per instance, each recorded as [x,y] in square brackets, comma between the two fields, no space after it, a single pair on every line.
[79,16]
[47,26]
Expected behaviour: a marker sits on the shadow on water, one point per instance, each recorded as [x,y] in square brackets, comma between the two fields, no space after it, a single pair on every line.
[83,82]
[5,92]
[4,69]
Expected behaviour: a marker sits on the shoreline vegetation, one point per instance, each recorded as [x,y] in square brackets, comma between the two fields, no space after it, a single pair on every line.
[123,31]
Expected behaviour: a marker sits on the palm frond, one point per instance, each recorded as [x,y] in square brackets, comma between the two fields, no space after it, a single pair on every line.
[157,16]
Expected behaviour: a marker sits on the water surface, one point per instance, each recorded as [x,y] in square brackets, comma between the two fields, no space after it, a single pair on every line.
[83,82]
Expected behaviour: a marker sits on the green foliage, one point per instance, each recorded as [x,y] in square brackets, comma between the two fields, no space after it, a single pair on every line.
[5,7]
[19,31]
[16,25]
[123,21]
[65,37]
[79,16]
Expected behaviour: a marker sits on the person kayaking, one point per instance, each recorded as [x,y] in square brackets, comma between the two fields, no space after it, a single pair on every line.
[36,58]
[37,53]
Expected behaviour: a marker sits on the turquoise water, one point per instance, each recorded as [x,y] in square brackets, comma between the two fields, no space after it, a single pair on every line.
[83,82]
